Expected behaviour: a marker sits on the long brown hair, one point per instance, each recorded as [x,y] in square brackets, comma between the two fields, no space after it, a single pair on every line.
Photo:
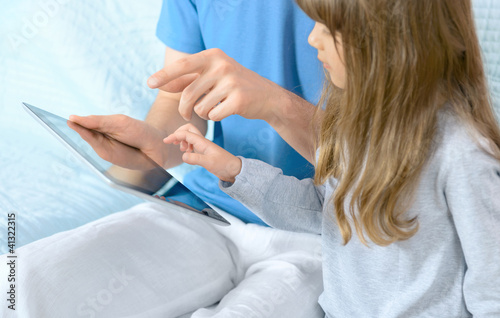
[404,60]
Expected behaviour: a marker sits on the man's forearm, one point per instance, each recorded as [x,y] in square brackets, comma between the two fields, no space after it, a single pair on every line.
[292,118]
[164,115]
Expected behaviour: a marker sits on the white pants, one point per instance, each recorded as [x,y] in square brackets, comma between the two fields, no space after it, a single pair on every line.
[148,262]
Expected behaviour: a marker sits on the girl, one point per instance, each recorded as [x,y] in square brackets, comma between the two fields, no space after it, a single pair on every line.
[406,193]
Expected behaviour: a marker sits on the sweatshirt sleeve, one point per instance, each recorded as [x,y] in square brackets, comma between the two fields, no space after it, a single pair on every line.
[281,201]
[473,195]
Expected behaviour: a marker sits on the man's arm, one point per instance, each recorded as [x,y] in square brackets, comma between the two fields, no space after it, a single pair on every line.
[218,87]
[294,120]
[164,114]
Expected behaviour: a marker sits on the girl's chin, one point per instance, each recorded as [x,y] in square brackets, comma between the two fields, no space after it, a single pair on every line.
[335,81]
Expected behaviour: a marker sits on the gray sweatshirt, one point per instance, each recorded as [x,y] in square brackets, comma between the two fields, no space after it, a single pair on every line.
[450,268]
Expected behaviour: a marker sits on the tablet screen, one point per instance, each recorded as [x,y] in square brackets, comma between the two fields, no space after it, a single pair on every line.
[141,172]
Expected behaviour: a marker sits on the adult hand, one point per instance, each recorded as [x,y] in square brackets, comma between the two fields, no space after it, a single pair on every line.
[135,133]
[215,86]
[202,152]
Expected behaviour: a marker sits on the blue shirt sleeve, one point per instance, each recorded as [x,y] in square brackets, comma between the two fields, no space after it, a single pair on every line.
[179,27]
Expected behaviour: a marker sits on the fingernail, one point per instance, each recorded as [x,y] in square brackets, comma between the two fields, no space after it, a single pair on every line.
[152,82]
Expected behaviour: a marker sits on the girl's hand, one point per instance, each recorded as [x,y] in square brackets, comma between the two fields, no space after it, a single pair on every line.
[200,151]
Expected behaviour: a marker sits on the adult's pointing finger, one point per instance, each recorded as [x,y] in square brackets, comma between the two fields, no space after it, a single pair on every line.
[193,64]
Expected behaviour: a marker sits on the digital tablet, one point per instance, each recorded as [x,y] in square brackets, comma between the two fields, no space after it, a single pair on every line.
[142,176]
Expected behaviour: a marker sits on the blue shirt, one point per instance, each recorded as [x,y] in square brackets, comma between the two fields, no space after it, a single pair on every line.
[268,37]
